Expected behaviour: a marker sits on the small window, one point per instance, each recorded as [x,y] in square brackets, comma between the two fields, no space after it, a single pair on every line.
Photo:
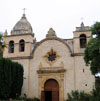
[21,46]
[83,70]
[83,41]
[11,47]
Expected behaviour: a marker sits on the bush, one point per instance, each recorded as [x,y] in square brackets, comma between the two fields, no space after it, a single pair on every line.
[36,99]
[95,95]
[78,96]
[26,99]
[82,96]
[11,78]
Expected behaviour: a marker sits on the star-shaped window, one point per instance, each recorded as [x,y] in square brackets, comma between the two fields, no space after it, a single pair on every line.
[51,57]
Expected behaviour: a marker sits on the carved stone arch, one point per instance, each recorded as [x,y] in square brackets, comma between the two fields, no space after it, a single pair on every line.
[51,90]
[55,78]
[51,83]
[58,39]
[60,80]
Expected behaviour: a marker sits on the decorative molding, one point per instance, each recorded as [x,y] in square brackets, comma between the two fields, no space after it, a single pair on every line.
[59,69]
[62,64]
[20,57]
[54,38]
[79,38]
[40,65]
[78,54]
[51,57]
[82,31]
[51,71]
[32,34]
[18,43]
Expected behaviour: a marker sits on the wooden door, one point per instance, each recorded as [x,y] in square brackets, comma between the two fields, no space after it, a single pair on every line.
[55,96]
[43,96]
[52,86]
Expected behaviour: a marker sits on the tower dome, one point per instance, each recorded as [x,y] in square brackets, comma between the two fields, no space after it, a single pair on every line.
[22,27]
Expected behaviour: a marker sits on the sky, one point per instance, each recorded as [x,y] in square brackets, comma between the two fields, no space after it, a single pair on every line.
[62,15]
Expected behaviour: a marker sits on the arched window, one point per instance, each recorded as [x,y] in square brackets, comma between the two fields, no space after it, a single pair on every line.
[83,41]
[21,45]
[11,47]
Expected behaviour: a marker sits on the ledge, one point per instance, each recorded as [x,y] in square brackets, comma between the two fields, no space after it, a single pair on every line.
[51,71]
[20,57]
[78,54]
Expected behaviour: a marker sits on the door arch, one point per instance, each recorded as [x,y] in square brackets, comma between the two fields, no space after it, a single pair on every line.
[51,91]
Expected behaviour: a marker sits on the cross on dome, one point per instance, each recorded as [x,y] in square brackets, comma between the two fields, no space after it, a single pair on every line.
[24,9]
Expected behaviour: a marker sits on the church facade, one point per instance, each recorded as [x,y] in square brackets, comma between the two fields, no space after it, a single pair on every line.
[53,67]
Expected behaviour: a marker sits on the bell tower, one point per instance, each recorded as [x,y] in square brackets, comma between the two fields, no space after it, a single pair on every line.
[20,41]
[82,35]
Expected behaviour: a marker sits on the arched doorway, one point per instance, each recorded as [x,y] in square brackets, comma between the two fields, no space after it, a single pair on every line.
[51,91]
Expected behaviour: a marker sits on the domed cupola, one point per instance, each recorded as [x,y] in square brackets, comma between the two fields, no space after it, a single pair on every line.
[22,27]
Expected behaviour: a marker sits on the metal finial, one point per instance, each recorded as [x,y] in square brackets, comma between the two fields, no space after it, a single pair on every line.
[24,9]
[82,24]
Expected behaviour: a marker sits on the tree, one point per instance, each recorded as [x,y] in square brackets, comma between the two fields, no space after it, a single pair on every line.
[11,78]
[92,51]
[97,84]
[2,44]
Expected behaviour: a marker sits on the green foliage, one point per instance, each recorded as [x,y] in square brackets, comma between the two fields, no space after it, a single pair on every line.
[82,96]
[97,83]
[96,29]
[78,96]
[92,51]
[17,99]
[2,44]
[36,99]
[92,55]
[95,95]
[11,78]
[26,99]
[30,99]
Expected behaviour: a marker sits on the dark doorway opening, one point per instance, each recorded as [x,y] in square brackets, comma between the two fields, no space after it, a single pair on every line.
[48,95]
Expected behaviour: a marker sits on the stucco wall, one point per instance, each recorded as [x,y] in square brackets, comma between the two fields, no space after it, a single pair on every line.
[84,78]
[63,51]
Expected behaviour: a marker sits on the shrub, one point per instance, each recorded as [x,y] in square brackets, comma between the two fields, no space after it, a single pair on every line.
[82,96]
[11,78]
[36,99]
[26,99]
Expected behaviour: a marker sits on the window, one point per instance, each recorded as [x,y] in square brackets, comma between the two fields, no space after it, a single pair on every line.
[83,41]
[52,56]
[21,45]
[11,47]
